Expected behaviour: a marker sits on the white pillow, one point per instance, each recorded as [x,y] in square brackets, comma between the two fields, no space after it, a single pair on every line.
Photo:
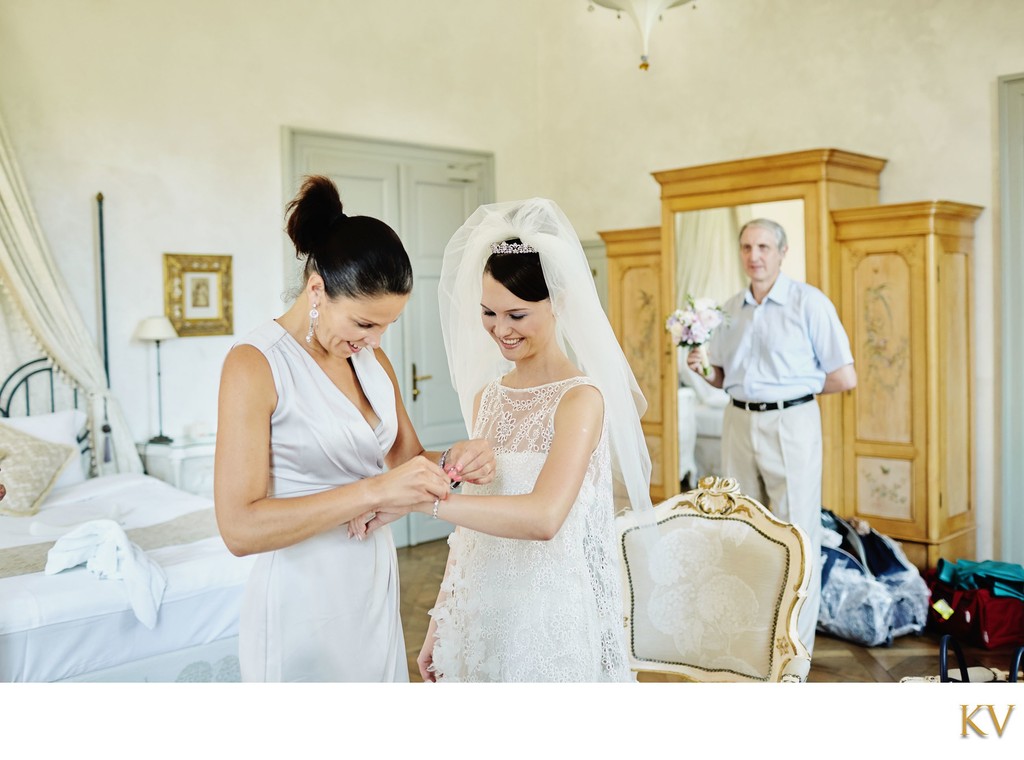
[57,427]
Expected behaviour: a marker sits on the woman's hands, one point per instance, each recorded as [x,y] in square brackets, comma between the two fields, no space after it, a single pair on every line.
[411,483]
[471,461]
[412,488]
[426,656]
[398,491]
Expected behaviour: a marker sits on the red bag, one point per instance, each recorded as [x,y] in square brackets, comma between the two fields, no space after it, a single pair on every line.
[947,612]
[977,616]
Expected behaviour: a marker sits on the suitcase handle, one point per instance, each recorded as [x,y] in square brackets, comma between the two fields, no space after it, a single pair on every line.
[945,643]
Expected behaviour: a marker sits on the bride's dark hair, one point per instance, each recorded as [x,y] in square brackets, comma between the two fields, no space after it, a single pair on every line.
[520,273]
[357,256]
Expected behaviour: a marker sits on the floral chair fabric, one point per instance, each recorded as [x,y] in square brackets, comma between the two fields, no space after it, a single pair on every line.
[716,594]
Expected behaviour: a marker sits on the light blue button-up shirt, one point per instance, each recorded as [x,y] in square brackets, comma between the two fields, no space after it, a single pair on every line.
[782,348]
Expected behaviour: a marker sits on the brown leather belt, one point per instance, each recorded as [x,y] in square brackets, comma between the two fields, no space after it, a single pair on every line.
[768,406]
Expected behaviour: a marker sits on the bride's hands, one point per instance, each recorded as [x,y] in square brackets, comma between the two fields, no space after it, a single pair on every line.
[471,461]
[426,656]
[360,527]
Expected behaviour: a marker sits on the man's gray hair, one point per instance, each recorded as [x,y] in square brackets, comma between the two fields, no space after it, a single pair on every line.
[768,224]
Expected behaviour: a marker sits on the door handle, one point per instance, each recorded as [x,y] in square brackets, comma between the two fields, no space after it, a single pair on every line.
[416,379]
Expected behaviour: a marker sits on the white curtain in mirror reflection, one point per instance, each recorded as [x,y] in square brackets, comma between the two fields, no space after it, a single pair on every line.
[707,244]
[708,261]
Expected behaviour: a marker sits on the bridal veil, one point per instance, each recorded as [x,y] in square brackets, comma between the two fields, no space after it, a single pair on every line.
[583,330]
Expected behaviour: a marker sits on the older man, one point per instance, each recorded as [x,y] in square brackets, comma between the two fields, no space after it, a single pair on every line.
[782,345]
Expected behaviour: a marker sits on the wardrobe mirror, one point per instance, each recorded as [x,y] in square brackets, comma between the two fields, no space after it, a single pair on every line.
[708,265]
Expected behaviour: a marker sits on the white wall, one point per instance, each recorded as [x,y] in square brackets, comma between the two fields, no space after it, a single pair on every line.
[174,112]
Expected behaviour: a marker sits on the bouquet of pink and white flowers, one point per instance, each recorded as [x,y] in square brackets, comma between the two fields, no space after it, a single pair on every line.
[692,327]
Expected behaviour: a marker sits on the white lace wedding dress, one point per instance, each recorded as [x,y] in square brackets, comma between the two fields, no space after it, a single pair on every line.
[517,610]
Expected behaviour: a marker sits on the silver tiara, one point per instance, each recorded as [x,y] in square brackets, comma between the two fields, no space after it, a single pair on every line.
[506,247]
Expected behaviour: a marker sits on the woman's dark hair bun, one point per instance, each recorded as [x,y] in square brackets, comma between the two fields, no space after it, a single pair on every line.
[356,256]
[311,214]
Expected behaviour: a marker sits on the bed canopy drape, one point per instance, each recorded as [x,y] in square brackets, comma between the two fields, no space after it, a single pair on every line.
[39,314]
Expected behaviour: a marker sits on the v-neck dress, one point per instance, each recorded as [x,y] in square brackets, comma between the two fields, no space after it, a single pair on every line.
[327,608]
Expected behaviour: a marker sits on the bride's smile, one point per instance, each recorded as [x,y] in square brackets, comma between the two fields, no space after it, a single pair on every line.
[521,328]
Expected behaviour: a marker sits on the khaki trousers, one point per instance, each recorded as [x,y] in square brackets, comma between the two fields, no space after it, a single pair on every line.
[775,456]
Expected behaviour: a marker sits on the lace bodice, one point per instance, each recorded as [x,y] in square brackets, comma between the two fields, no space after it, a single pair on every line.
[517,610]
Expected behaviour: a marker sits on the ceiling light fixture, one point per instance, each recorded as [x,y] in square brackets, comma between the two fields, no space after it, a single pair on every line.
[644,14]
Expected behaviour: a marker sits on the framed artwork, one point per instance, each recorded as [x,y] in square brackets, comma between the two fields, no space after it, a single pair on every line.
[197,293]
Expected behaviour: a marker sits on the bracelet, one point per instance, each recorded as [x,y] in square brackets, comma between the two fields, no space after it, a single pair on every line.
[434,513]
[444,458]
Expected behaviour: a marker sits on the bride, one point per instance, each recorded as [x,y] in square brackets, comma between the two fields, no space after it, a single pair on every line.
[532,588]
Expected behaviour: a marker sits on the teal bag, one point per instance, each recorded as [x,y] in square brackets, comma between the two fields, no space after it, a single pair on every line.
[1002,578]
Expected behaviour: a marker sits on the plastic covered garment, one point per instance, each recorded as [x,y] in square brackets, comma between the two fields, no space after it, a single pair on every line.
[870,592]
[512,610]
[854,606]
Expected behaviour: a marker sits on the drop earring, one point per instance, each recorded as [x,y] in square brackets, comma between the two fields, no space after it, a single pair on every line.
[313,314]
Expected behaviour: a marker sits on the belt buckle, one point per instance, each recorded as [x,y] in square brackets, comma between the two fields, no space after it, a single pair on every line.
[761,406]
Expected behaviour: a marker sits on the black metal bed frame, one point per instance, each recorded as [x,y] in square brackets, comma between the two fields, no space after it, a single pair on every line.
[18,385]
[19,380]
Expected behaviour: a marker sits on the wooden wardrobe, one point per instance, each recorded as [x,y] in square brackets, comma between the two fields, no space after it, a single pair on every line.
[845,229]
[636,312]
[905,272]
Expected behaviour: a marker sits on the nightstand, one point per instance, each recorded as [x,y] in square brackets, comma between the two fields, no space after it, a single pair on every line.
[186,464]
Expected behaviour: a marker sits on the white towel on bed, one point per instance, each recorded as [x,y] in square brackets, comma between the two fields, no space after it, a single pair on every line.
[107,552]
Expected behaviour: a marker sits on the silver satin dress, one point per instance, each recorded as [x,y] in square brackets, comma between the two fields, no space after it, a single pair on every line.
[325,609]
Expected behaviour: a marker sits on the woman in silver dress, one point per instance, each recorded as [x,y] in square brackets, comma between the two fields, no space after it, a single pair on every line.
[312,437]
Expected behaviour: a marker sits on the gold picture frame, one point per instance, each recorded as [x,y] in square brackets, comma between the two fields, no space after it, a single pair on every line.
[197,293]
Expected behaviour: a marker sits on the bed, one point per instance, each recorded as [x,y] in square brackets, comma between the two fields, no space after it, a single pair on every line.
[74,625]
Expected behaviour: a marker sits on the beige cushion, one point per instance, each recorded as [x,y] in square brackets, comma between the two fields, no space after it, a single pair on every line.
[57,427]
[29,468]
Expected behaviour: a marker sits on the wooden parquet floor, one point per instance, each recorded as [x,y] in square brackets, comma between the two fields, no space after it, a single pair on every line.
[835,660]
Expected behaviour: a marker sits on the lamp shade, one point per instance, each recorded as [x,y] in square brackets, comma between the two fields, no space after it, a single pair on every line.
[155,328]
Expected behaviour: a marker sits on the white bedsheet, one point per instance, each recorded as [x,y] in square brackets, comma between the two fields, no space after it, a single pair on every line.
[64,625]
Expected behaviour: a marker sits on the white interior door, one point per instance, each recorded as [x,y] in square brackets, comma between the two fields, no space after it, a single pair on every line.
[437,206]
[425,194]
